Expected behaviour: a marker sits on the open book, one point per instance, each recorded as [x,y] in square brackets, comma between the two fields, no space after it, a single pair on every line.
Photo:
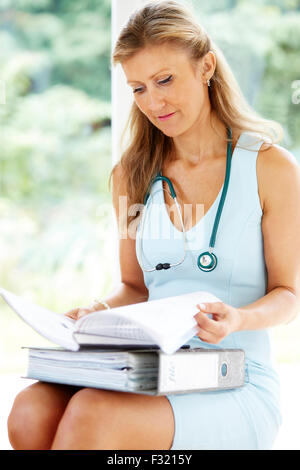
[166,323]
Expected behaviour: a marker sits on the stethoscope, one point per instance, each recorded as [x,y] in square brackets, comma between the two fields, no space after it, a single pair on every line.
[207,261]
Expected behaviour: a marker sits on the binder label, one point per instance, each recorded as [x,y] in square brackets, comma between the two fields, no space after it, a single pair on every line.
[188,371]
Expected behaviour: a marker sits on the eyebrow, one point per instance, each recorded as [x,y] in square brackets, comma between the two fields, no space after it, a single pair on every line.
[156,73]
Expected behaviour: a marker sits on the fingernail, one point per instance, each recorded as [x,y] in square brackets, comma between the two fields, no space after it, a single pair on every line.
[202,306]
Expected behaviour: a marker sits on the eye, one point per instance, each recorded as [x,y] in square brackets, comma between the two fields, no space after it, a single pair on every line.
[138,90]
[166,80]
[161,82]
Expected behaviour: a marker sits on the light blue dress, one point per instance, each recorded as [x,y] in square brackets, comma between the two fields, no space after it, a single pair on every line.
[248,417]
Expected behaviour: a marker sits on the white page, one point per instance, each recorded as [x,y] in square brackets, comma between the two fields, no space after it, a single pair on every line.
[111,325]
[169,321]
[53,326]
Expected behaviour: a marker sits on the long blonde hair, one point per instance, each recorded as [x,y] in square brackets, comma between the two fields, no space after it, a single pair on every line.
[163,22]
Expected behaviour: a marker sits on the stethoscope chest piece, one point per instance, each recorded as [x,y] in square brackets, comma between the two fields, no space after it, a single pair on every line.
[207,261]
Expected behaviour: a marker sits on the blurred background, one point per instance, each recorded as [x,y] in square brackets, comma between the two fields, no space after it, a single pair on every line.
[55,159]
[56,218]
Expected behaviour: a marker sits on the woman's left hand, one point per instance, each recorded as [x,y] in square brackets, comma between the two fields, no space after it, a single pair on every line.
[225,320]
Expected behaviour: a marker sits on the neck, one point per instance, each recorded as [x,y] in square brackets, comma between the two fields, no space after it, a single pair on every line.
[204,142]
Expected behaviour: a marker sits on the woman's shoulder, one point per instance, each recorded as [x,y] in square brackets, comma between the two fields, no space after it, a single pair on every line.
[116,171]
[277,170]
[118,176]
[119,188]
[273,158]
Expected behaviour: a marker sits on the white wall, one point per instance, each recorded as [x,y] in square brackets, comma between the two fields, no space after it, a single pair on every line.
[121,94]
[121,103]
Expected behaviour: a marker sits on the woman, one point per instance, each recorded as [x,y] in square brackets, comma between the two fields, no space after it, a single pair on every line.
[188,115]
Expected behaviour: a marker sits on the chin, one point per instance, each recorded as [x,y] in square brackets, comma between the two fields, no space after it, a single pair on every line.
[170,132]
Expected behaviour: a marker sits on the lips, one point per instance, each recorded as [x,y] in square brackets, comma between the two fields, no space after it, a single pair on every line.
[166,115]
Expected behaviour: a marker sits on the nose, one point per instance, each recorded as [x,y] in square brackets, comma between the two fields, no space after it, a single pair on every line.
[155,101]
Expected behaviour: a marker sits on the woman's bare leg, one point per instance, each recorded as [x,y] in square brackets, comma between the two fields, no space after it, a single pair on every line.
[36,413]
[103,419]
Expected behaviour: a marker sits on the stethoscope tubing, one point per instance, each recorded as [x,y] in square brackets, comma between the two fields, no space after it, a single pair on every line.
[171,265]
[202,258]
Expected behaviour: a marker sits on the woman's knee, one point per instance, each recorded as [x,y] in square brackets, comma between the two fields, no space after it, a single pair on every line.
[34,416]
[102,419]
[24,421]
[86,421]
[86,405]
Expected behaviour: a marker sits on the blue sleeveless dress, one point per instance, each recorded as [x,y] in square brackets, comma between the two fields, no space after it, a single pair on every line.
[248,417]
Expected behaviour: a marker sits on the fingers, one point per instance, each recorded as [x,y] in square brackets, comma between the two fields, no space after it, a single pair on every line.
[206,323]
[213,338]
[79,312]
[212,330]
[214,307]
[84,311]
[72,313]
[207,337]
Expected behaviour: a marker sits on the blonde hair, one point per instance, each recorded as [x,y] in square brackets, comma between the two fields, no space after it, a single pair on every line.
[169,22]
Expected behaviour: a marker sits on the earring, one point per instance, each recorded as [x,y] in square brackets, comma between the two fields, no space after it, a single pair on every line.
[208,82]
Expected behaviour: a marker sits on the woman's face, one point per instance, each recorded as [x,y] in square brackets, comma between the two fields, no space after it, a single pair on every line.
[167,88]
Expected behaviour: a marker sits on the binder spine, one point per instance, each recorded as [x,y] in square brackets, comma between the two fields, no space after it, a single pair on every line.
[231,369]
[200,369]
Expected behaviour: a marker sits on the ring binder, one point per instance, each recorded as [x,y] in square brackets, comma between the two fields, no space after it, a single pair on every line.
[150,372]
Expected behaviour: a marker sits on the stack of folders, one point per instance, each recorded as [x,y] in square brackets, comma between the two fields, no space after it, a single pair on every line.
[150,372]
[138,348]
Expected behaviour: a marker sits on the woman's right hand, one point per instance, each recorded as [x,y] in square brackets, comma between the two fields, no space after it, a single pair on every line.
[80,312]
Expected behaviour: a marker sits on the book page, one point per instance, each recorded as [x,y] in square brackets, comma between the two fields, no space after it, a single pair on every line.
[169,322]
[53,326]
[113,326]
